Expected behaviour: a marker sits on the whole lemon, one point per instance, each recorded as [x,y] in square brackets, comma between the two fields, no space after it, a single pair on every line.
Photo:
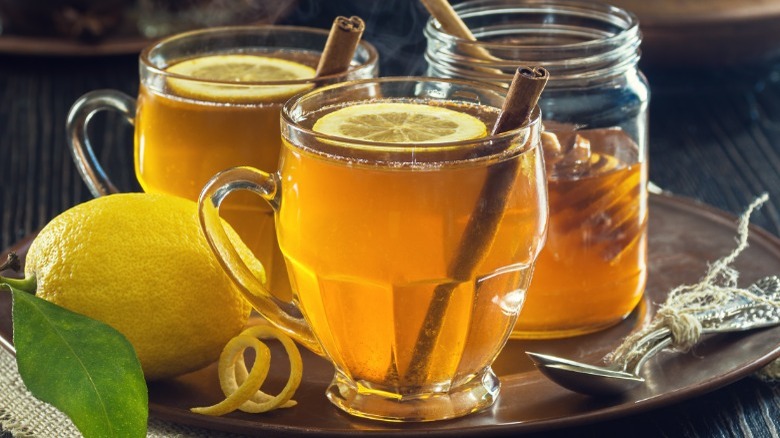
[139,263]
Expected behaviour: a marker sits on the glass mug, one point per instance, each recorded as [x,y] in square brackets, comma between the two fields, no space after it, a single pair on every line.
[182,139]
[592,271]
[370,232]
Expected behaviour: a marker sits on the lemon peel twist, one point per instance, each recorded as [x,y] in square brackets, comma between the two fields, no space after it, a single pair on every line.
[241,386]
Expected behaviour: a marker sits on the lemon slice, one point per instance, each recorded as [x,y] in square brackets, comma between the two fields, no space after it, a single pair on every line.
[239,69]
[396,122]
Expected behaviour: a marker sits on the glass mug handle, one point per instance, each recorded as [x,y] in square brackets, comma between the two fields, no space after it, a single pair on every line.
[81,148]
[266,186]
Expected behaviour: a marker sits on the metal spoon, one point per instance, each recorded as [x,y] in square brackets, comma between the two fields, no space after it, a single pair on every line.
[740,314]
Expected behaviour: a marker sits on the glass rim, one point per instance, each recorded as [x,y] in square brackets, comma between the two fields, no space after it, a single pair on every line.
[472,7]
[287,118]
[146,62]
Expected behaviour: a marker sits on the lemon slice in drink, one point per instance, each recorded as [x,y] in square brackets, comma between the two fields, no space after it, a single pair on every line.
[239,68]
[397,122]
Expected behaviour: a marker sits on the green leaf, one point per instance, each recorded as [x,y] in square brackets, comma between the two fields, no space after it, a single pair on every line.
[81,366]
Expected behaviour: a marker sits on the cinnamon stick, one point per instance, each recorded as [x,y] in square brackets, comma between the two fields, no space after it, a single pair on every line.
[340,47]
[451,23]
[521,99]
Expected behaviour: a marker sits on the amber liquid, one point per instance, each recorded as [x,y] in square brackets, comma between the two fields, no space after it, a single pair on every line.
[367,245]
[181,142]
[592,270]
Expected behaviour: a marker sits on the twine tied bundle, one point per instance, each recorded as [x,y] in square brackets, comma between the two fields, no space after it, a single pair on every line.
[717,287]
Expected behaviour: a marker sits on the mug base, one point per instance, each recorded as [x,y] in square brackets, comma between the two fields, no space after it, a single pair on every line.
[470,396]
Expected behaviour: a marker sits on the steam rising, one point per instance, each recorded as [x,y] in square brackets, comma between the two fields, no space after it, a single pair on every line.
[394,27]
